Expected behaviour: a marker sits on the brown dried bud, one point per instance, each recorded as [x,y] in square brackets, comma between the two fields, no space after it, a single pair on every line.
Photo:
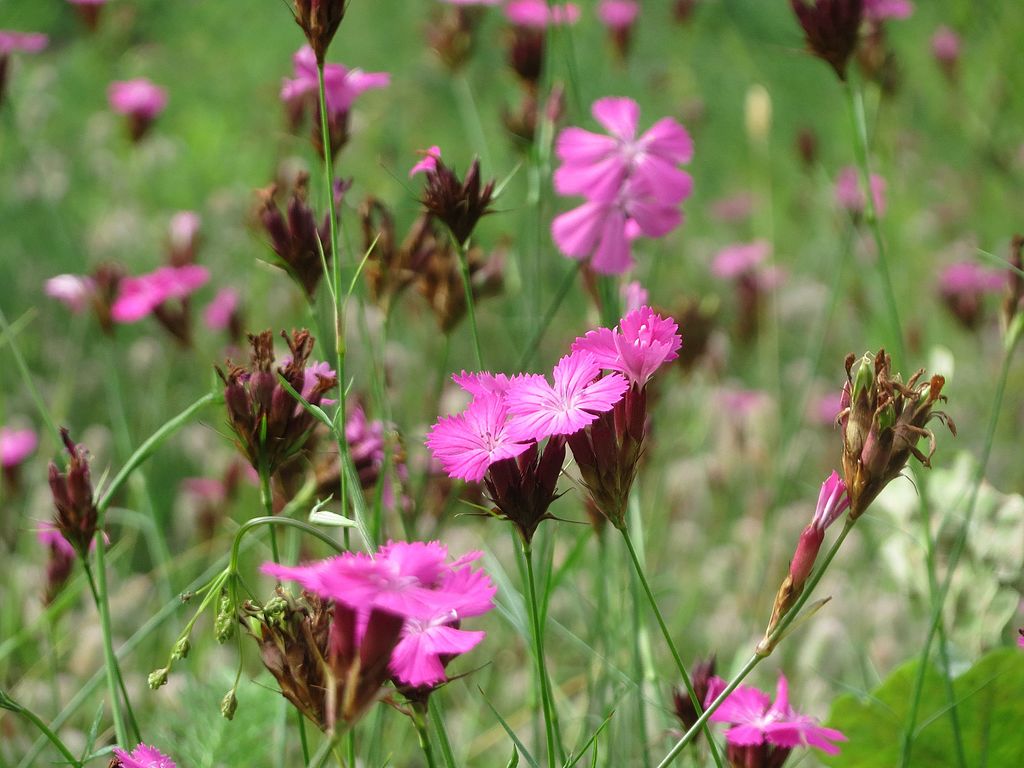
[319,19]
[453,35]
[392,267]
[72,496]
[831,29]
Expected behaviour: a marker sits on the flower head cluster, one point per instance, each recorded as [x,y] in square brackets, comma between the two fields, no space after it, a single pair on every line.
[140,100]
[963,286]
[342,86]
[883,420]
[742,264]
[632,184]
[831,29]
[76,516]
[458,203]
[270,425]
[395,614]
[141,757]
[763,732]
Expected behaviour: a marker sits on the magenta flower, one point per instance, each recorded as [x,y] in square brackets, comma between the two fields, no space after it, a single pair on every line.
[483,384]
[945,45]
[16,445]
[221,310]
[74,291]
[969,277]
[50,537]
[140,296]
[757,722]
[880,10]
[833,500]
[21,42]
[739,259]
[468,443]
[618,14]
[575,400]
[642,342]
[537,14]
[342,86]
[137,98]
[142,757]
[428,163]
[849,195]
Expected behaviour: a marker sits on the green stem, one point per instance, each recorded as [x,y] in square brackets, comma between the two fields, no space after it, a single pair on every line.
[437,718]
[640,671]
[467,286]
[538,646]
[549,315]
[419,719]
[110,661]
[26,377]
[680,667]
[957,551]
[267,499]
[764,649]
[276,520]
[9,704]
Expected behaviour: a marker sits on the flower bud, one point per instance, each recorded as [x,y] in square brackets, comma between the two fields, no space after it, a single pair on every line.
[158,677]
[831,29]
[229,704]
[319,19]
[224,622]
[76,516]
[181,649]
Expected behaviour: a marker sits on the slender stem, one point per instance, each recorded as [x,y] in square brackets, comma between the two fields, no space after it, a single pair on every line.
[267,498]
[764,649]
[467,286]
[236,545]
[26,377]
[110,661]
[419,719]
[955,554]
[549,315]
[437,719]
[680,667]
[538,646]
[640,671]
[7,703]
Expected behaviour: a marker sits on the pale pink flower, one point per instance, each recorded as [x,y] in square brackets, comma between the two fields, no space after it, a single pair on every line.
[642,342]
[429,162]
[740,259]
[575,400]
[142,757]
[880,10]
[755,720]
[342,86]
[139,296]
[21,42]
[138,98]
[16,445]
[739,402]
[183,230]
[633,296]
[827,407]
[538,14]
[849,195]
[74,291]
[618,14]
[49,535]
[468,443]
[221,309]
[945,45]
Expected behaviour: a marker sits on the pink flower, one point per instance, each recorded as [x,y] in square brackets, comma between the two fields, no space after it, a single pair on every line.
[740,403]
[969,277]
[342,86]
[21,42]
[538,14]
[16,445]
[74,291]
[142,757]
[138,98]
[850,196]
[541,410]
[739,259]
[756,720]
[637,348]
[183,230]
[832,502]
[468,443]
[311,376]
[880,10]
[633,296]
[618,14]
[827,407]
[945,45]
[221,309]
[139,296]
[50,537]
[596,166]
[482,384]
[1020,638]
[428,163]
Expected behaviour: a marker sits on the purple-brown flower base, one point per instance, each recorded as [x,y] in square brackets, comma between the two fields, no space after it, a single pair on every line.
[76,516]
[523,488]
[831,29]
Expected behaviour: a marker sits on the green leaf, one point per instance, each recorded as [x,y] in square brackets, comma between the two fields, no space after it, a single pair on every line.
[990,710]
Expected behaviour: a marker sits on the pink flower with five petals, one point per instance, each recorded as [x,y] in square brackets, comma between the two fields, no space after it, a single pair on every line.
[642,342]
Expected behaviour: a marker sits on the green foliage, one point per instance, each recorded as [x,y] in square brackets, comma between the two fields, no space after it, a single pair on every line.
[990,711]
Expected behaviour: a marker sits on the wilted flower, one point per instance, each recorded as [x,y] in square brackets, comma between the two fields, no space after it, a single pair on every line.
[270,425]
[76,516]
[319,20]
[141,757]
[831,29]
[762,732]
[850,196]
[619,16]
[458,203]
[883,420]
[963,286]
[140,101]
[89,12]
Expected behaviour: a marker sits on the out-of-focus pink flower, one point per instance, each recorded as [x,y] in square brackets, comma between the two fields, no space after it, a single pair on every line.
[850,196]
[880,10]
[342,86]
[139,98]
[740,403]
[16,445]
[575,400]
[221,309]
[21,42]
[969,277]
[740,258]
[756,720]
[182,236]
[428,163]
[74,291]
[142,757]
[633,296]
[738,207]
[473,2]
[50,537]
[945,44]
[642,342]
[468,443]
[618,14]
[538,14]
[1020,638]
[827,408]
[139,296]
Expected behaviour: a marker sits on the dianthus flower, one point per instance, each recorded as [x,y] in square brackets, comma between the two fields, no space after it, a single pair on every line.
[766,729]
[221,314]
[850,196]
[619,16]
[831,29]
[963,286]
[538,14]
[140,100]
[458,203]
[880,10]
[946,50]
[141,757]
[140,296]
[17,42]
[641,343]
[16,445]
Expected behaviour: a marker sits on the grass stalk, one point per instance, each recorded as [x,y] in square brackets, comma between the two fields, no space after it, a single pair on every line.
[547,703]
